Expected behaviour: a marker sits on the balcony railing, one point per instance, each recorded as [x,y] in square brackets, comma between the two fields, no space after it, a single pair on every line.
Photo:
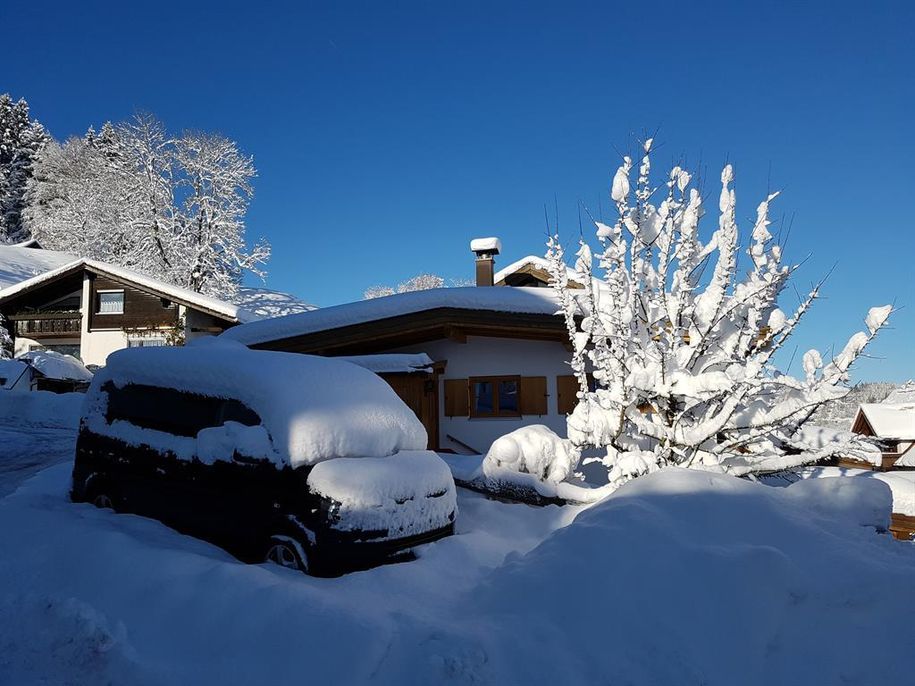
[41,324]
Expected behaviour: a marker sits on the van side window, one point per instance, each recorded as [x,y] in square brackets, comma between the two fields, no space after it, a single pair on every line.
[175,412]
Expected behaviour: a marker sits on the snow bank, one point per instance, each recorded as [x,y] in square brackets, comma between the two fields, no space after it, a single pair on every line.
[41,409]
[901,483]
[55,365]
[521,300]
[681,577]
[314,408]
[67,638]
[407,493]
[684,577]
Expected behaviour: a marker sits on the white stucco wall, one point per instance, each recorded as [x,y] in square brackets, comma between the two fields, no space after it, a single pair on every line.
[481,356]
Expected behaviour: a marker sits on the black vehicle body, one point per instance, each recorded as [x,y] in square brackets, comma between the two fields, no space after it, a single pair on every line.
[239,502]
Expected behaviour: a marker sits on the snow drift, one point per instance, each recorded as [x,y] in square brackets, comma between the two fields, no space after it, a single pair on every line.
[680,577]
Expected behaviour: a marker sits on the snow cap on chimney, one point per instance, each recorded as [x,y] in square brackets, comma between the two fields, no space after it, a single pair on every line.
[491,245]
[485,249]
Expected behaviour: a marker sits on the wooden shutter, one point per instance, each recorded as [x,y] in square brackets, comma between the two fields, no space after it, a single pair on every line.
[457,403]
[533,395]
[566,393]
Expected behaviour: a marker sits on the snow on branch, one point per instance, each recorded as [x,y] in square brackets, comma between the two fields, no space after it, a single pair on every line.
[682,364]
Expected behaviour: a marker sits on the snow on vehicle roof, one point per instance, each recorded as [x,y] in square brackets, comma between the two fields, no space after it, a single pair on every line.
[490,244]
[891,421]
[392,362]
[55,365]
[315,408]
[176,293]
[19,263]
[493,299]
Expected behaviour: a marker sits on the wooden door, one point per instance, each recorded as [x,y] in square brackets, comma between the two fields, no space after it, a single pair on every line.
[420,393]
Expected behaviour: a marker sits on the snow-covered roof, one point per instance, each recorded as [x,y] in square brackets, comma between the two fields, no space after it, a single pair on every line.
[895,421]
[508,300]
[268,303]
[10,373]
[490,244]
[904,394]
[392,363]
[55,365]
[180,295]
[314,408]
[532,261]
[19,263]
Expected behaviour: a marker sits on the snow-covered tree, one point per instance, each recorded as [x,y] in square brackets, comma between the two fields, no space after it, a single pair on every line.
[6,341]
[131,194]
[680,344]
[21,139]
[420,282]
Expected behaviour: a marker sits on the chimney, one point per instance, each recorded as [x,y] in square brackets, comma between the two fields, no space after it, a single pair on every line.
[485,249]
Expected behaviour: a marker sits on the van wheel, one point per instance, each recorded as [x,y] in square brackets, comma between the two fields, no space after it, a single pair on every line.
[286,552]
[103,501]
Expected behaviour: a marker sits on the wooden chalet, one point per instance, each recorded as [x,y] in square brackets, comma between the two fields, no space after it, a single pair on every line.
[893,426]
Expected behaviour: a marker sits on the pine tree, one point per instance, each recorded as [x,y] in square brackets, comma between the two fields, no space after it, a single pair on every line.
[681,346]
[6,341]
[21,139]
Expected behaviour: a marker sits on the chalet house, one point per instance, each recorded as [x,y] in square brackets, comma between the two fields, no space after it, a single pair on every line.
[499,355]
[89,309]
[893,425]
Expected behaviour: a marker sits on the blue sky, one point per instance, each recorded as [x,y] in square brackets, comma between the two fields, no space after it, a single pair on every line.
[387,135]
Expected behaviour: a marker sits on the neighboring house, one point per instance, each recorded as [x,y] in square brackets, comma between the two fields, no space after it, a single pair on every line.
[499,355]
[89,309]
[44,370]
[893,425]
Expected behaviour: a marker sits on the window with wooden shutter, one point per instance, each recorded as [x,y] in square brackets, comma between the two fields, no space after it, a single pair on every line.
[456,400]
[566,393]
[533,395]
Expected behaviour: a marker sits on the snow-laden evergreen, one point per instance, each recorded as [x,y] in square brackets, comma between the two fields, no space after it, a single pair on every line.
[6,340]
[680,344]
[132,195]
[21,140]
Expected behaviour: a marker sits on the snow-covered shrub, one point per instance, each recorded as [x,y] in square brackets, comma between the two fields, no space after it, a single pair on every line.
[534,450]
[681,362]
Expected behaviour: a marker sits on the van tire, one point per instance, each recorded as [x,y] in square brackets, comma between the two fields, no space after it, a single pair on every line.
[286,552]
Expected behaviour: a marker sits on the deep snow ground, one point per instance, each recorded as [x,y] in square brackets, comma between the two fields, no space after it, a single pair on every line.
[679,578]
[27,450]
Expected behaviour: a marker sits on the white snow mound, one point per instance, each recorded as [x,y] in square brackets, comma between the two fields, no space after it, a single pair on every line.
[534,450]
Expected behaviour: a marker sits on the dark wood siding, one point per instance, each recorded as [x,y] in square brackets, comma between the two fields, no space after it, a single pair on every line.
[141,310]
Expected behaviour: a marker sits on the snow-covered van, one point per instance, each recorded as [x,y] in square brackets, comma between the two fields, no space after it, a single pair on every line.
[308,462]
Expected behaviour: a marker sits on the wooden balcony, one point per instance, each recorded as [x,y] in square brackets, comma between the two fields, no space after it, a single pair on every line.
[47,324]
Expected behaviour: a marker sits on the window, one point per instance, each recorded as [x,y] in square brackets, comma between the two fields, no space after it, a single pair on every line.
[110,302]
[146,342]
[495,396]
[171,411]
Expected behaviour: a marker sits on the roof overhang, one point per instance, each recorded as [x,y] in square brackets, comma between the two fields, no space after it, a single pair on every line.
[420,327]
